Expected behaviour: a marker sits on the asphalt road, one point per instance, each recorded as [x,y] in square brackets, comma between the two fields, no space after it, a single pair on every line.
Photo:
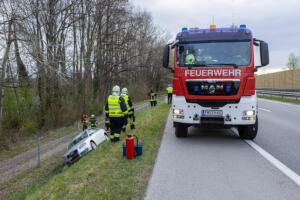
[216,164]
[279,131]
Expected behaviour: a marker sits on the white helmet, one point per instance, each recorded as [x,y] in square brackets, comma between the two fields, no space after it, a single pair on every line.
[116,89]
[124,91]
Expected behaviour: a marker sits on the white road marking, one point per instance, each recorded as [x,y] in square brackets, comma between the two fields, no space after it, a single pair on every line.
[274,161]
[265,109]
[279,165]
[274,101]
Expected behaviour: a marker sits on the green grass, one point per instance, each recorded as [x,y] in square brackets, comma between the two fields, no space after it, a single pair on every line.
[284,99]
[105,173]
[32,179]
[26,143]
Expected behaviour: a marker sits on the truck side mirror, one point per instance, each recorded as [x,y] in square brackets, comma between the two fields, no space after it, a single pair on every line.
[166,56]
[264,53]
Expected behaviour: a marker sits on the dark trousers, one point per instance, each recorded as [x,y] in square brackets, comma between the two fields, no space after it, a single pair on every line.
[153,103]
[116,124]
[169,98]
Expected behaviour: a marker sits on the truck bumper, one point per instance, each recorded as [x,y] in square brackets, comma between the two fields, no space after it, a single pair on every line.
[233,114]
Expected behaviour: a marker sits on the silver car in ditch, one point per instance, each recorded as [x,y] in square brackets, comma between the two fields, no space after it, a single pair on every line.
[83,143]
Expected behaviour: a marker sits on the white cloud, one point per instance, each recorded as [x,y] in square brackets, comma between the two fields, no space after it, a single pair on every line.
[275,21]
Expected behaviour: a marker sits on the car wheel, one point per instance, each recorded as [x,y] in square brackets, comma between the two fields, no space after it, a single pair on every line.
[93,145]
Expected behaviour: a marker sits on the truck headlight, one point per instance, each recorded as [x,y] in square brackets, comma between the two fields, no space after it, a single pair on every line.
[249,112]
[177,111]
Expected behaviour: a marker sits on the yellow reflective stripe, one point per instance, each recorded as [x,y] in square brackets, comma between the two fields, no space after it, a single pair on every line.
[117,135]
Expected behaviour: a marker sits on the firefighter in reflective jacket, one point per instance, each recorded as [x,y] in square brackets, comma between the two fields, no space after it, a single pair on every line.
[93,121]
[170,93]
[152,96]
[116,112]
[130,109]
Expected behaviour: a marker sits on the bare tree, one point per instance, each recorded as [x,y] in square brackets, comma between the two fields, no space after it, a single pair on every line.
[71,52]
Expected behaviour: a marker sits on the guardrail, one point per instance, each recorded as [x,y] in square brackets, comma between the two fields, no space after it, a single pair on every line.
[286,92]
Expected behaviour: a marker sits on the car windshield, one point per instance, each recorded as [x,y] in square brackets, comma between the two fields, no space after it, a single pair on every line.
[78,139]
[214,53]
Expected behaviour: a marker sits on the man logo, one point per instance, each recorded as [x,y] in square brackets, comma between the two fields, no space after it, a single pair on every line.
[212,89]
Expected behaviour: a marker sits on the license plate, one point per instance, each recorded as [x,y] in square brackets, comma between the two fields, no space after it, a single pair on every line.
[212,113]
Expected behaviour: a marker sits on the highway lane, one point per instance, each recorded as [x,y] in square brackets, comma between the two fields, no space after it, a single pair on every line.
[216,164]
[279,131]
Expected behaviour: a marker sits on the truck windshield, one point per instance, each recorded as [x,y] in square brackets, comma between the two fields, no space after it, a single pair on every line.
[214,53]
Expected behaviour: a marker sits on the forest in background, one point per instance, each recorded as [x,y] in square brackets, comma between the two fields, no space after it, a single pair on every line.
[60,58]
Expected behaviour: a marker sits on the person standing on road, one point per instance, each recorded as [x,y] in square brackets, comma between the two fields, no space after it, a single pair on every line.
[116,111]
[170,93]
[152,96]
[130,109]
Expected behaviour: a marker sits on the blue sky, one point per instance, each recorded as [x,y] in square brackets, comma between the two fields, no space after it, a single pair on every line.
[274,21]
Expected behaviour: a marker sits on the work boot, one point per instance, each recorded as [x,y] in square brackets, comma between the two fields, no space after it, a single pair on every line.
[124,130]
[116,139]
[132,126]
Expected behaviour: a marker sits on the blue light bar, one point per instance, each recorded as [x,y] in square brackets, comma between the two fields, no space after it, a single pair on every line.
[243,26]
[184,29]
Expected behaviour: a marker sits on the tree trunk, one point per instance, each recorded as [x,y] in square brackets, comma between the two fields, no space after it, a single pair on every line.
[5,58]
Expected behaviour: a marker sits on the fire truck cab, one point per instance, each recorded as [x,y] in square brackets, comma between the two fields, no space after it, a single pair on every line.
[213,81]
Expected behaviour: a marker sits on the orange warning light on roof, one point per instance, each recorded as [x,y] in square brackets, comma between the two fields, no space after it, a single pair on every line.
[212,26]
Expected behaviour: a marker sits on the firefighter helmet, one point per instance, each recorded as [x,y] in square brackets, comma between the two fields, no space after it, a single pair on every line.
[190,59]
[124,91]
[116,88]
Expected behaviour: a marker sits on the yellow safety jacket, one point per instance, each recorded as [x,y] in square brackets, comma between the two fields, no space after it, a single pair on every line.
[126,99]
[114,107]
[152,96]
[170,90]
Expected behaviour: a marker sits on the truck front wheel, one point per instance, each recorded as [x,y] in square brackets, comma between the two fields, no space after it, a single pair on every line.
[248,132]
[181,131]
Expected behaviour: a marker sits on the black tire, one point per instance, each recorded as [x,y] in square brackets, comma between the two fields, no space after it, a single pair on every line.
[93,145]
[248,132]
[181,131]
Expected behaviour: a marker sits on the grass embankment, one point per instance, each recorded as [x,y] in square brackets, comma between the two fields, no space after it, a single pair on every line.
[20,144]
[105,173]
[25,143]
[283,99]
[31,180]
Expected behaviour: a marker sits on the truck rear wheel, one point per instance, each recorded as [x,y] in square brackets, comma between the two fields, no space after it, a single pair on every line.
[248,132]
[181,131]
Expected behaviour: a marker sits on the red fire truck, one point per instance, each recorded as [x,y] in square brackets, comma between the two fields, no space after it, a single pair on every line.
[213,81]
